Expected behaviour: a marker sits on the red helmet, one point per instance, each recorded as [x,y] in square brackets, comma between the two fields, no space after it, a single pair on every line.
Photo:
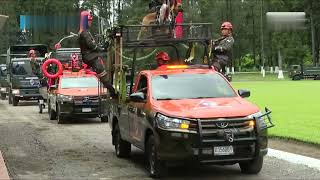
[162,56]
[226,25]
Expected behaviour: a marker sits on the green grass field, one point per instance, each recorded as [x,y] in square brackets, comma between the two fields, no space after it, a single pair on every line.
[295,105]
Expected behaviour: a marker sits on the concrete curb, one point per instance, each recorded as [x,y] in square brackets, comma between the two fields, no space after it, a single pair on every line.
[3,169]
[295,158]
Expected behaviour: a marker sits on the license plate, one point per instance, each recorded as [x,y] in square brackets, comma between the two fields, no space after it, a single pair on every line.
[86,109]
[223,150]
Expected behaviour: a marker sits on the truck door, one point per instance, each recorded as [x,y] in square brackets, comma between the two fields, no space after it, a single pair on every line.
[137,113]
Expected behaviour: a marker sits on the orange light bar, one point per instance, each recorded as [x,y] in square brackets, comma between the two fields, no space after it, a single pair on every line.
[177,66]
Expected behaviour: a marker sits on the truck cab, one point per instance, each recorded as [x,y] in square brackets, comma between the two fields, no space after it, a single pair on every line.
[23,81]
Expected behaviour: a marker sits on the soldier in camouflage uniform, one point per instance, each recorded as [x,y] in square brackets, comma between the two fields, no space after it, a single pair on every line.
[34,64]
[91,51]
[222,47]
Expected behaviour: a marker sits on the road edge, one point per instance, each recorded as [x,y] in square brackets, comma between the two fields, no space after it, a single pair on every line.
[295,158]
[4,175]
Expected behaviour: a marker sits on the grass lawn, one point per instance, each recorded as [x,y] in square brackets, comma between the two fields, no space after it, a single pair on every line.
[295,105]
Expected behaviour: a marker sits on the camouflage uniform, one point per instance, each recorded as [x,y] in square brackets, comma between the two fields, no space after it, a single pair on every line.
[35,68]
[91,55]
[222,52]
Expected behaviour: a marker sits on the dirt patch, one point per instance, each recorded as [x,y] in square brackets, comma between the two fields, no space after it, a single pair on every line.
[295,147]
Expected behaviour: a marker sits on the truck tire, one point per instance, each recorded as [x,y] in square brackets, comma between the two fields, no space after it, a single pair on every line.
[3,96]
[60,117]
[52,113]
[296,77]
[155,167]
[10,98]
[122,147]
[252,167]
[15,101]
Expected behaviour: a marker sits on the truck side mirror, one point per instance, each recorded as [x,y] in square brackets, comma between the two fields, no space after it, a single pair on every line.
[137,97]
[244,93]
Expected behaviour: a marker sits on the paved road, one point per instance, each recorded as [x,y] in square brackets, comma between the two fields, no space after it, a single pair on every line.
[36,148]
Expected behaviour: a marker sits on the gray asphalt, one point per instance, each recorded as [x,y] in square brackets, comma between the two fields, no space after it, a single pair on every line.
[36,148]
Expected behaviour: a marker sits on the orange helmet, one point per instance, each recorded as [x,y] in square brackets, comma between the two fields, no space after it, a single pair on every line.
[162,56]
[226,25]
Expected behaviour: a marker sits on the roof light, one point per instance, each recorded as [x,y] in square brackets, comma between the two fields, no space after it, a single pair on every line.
[177,66]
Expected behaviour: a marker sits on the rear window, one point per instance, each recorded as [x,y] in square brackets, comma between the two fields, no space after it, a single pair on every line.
[190,86]
[79,82]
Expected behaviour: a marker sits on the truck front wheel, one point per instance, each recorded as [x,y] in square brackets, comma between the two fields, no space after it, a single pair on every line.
[156,167]
[15,101]
[3,96]
[252,167]
[122,147]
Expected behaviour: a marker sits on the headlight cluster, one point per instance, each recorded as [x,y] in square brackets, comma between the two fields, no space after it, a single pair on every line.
[65,98]
[171,123]
[3,89]
[15,91]
[259,120]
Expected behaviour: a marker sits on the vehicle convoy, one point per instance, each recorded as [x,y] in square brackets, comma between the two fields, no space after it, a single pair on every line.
[184,111]
[298,72]
[23,82]
[73,90]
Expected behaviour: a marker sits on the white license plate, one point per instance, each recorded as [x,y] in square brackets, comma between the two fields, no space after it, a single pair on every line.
[223,150]
[86,110]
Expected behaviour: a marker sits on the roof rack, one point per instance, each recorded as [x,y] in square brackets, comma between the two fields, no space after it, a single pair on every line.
[161,35]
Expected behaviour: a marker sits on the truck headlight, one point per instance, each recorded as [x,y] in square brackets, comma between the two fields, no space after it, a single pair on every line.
[3,89]
[65,98]
[171,123]
[259,120]
[15,91]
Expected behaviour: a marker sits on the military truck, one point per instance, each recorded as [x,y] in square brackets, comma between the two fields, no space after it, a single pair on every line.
[298,72]
[23,82]
[183,111]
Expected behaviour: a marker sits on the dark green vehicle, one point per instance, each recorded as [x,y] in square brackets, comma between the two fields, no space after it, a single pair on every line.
[298,72]
[23,82]
[3,81]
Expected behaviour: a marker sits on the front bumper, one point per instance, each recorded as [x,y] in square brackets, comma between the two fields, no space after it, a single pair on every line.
[199,145]
[92,109]
[28,94]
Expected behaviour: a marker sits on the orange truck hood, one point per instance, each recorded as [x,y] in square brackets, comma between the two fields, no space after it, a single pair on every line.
[206,108]
[79,91]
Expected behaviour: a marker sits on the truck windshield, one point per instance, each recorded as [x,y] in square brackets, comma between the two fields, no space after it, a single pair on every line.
[190,86]
[21,68]
[79,82]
